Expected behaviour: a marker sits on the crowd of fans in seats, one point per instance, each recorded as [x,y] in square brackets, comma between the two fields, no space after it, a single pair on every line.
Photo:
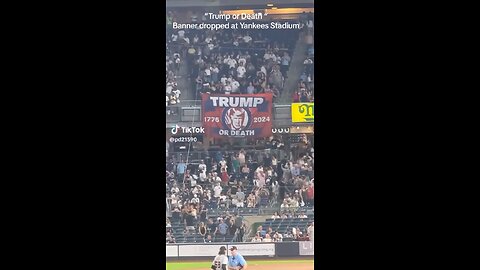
[305,88]
[292,234]
[173,61]
[304,91]
[228,62]
[236,61]
[220,228]
[239,179]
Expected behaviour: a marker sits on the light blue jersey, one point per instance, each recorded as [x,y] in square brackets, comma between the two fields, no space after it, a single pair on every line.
[237,260]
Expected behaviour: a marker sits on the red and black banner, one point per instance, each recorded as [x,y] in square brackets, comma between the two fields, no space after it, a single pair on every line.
[240,116]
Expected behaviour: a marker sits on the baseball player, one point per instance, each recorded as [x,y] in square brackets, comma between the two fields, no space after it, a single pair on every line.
[220,262]
[236,261]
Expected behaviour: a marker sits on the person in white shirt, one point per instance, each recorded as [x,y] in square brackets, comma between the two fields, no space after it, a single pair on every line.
[310,24]
[226,60]
[181,34]
[175,189]
[173,99]
[217,190]
[227,88]
[232,63]
[203,176]
[215,72]
[241,71]
[177,94]
[235,86]
[167,100]
[247,38]
[267,238]
[302,215]
[208,74]
[278,237]
[241,60]
[223,162]
[257,238]
[267,55]
[202,166]
[216,178]
[195,199]
[197,189]
[223,80]
[174,199]
[284,204]
[263,69]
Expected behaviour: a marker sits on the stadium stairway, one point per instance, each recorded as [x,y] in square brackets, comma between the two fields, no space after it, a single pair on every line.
[295,70]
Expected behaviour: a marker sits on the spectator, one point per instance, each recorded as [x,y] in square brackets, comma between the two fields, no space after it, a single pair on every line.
[231,226]
[277,237]
[176,213]
[241,157]
[257,238]
[285,204]
[251,200]
[302,215]
[267,238]
[190,219]
[202,230]
[241,232]
[211,226]
[285,64]
[208,239]
[240,198]
[310,231]
[270,231]
[222,228]
[275,215]
[170,238]
[195,199]
[217,190]
[168,224]
[181,167]
[261,231]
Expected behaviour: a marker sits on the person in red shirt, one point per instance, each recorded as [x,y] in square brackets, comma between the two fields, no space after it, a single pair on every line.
[296,96]
[310,193]
[224,176]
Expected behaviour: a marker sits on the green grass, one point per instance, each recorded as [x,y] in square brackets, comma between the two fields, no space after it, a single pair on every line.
[206,264]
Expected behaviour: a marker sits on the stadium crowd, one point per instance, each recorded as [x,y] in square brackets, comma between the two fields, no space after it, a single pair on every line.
[245,62]
[204,196]
[235,61]
[231,180]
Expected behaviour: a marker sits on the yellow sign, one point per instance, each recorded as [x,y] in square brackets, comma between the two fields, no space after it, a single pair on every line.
[303,113]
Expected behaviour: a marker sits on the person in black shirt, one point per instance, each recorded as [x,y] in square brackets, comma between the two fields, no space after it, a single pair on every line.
[203,213]
[211,226]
